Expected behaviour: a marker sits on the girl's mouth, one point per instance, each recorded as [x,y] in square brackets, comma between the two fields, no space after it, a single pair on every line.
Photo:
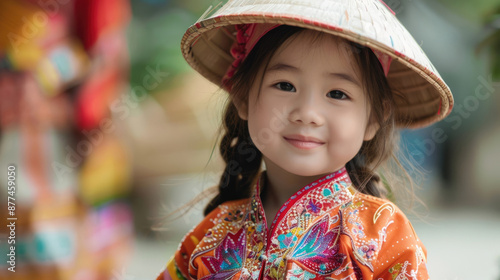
[303,142]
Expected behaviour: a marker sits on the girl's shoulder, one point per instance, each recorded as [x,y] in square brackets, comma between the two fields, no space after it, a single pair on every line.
[377,225]
[226,213]
[206,233]
[378,215]
[374,209]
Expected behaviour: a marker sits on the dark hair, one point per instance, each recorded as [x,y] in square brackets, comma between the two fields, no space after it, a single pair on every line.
[243,159]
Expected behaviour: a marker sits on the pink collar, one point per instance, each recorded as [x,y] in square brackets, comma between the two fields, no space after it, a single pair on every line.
[339,180]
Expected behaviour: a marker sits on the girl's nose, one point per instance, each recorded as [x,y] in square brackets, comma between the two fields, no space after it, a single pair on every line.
[306,110]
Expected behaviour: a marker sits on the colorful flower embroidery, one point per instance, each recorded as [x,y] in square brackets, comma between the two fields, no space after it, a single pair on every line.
[312,238]
[287,240]
[397,270]
[229,257]
[327,192]
[233,217]
[368,251]
[357,229]
[297,273]
[314,206]
[318,248]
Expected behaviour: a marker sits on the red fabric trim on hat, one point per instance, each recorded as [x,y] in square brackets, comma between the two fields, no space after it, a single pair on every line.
[247,36]
[384,59]
[387,6]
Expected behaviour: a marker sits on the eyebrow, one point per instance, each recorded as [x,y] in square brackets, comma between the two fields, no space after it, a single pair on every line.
[287,67]
[282,67]
[345,76]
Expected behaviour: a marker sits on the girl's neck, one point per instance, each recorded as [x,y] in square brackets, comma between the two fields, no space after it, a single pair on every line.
[281,184]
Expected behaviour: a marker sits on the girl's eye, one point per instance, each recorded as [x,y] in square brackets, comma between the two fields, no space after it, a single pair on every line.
[337,94]
[284,86]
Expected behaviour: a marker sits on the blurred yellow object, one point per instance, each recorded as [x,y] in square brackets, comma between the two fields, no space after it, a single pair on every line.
[48,77]
[22,23]
[61,66]
[56,59]
[64,65]
[26,56]
[106,172]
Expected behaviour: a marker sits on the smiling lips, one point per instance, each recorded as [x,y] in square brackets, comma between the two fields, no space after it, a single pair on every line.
[303,142]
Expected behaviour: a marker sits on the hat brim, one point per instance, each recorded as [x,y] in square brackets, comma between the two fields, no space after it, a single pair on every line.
[421,95]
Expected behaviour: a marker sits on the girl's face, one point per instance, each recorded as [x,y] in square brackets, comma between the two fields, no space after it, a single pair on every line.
[310,115]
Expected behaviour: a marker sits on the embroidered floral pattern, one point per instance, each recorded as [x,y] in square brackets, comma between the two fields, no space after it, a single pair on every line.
[287,240]
[229,257]
[368,251]
[314,206]
[398,271]
[308,215]
[297,273]
[325,231]
[318,248]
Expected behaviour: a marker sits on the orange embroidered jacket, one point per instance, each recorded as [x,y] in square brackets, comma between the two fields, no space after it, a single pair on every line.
[327,230]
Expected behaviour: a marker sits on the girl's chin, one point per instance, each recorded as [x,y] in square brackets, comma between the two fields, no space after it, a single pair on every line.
[299,167]
[304,172]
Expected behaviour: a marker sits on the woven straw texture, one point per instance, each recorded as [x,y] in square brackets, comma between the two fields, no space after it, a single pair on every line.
[421,95]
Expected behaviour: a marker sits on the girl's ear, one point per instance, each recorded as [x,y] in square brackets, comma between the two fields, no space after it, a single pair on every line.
[241,107]
[371,130]
[373,125]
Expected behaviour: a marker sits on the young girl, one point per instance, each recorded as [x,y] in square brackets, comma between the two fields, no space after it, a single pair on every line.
[316,91]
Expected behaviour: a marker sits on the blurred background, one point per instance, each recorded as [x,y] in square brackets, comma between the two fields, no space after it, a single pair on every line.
[110,131]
